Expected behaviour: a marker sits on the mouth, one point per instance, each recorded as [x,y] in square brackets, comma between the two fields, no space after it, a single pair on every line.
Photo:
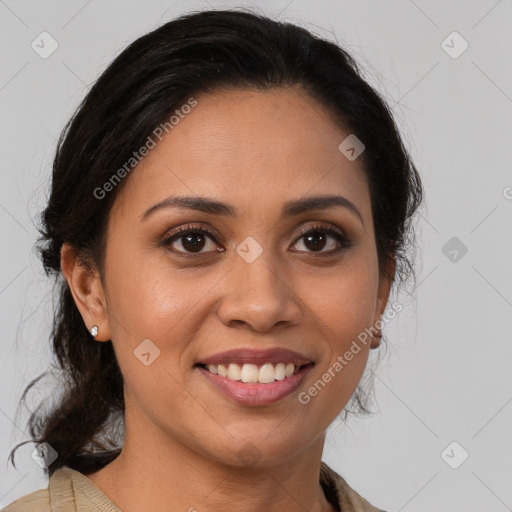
[249,373]
[255,377]
[254,385]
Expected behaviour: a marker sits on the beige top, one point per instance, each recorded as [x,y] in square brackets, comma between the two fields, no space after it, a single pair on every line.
[71,491]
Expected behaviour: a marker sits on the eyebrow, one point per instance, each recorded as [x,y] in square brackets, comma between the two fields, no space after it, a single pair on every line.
[289,209]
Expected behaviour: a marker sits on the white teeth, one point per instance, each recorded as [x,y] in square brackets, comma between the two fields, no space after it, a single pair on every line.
[252,373]
[280,371]
[249,373]
[266,374]
[234,372]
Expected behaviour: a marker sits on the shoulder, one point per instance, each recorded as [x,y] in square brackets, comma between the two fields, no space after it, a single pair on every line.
[68,491]
[348,499]
[56,497]
[38,501]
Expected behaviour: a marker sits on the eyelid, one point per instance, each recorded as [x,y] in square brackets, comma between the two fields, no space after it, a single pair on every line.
[322,226]
[191,227]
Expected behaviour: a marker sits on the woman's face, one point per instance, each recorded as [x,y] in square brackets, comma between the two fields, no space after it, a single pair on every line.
[251,283]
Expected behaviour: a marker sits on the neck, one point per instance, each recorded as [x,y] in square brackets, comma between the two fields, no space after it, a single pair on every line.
[153,473]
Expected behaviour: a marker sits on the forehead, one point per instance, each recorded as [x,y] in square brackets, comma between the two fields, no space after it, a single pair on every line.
[255,149]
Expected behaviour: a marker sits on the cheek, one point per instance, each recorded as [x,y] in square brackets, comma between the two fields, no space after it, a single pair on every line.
[343,309]
[144,295]
[150,314]
[343,304]
[152,300]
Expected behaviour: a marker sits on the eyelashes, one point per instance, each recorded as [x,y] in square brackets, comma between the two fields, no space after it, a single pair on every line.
[194,238]
[321,229]
[198,232]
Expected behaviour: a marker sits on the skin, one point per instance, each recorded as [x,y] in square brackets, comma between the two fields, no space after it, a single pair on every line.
[255,151]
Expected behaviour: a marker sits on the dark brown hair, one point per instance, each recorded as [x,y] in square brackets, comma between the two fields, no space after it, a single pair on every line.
[156,74]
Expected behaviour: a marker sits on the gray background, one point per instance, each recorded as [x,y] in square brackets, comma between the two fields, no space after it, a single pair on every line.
[446,375]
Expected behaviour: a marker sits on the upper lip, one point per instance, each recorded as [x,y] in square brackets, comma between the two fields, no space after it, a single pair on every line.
[257,357]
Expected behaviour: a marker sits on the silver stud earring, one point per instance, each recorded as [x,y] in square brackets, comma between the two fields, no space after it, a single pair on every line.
[94,331]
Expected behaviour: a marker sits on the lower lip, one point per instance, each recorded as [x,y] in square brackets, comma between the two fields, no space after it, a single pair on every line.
[253,393]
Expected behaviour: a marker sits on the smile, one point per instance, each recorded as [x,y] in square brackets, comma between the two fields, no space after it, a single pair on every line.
[251,373]
[253,385]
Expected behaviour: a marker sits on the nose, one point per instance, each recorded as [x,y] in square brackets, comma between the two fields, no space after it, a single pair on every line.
[258,296]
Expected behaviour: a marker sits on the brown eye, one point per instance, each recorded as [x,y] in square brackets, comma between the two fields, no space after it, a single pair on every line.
[191,240]
[318,238]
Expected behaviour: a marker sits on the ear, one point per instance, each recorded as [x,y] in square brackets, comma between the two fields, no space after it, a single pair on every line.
[385,282]
[87,291]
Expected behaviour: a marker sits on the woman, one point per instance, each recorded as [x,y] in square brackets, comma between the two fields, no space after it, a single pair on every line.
[230,208]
